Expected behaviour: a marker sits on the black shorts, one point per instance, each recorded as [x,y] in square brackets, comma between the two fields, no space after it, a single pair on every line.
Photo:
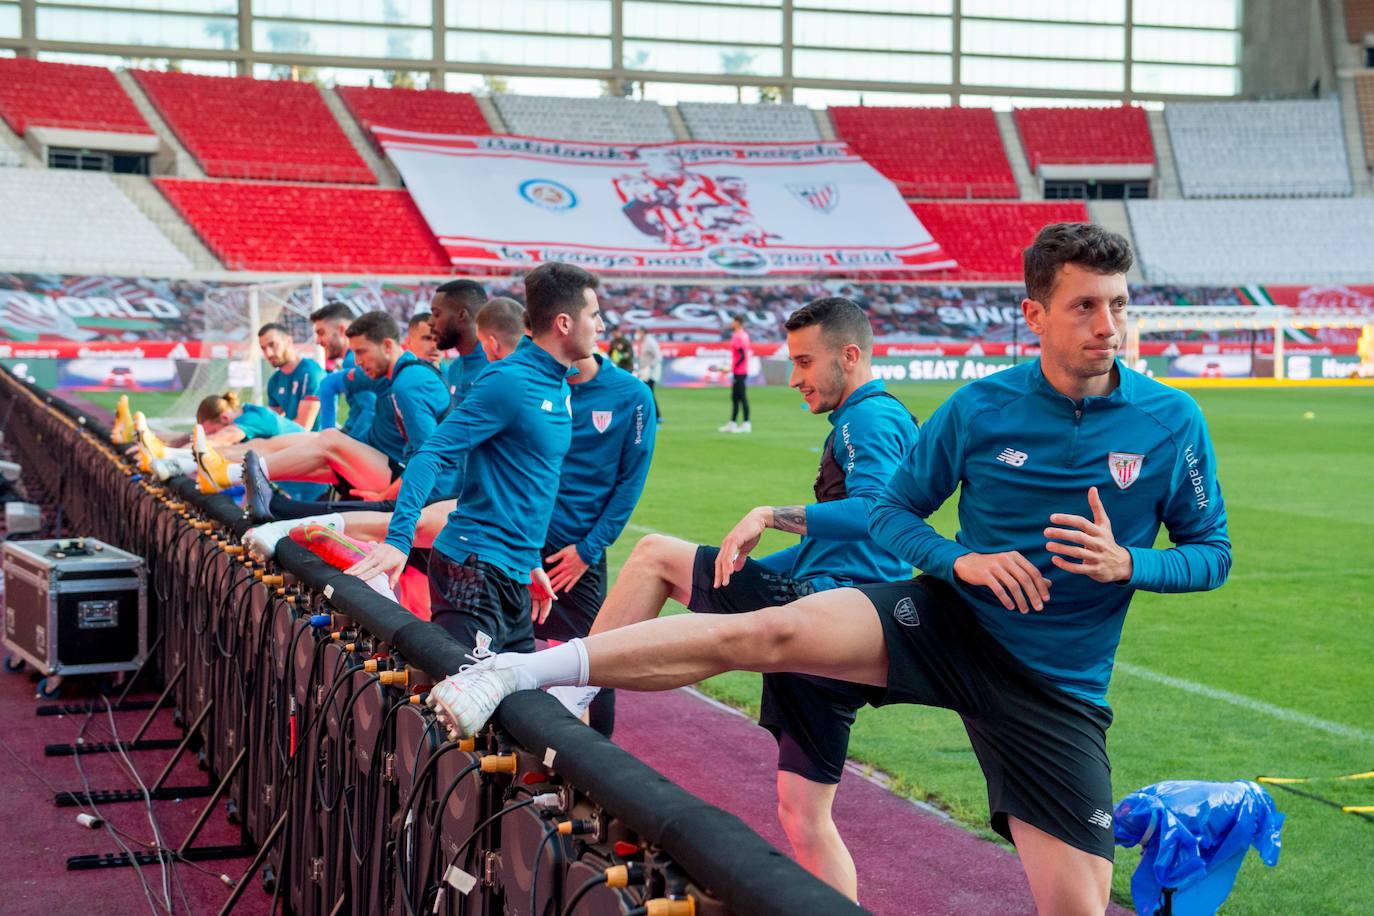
[809,716]
[479,605]
[1043,751]
[573,611]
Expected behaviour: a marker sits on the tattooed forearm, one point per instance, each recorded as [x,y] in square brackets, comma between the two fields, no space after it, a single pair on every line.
[789,518]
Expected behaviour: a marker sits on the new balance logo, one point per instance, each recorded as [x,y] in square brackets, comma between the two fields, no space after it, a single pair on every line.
[547,406]
[1101,819]
[1012,457]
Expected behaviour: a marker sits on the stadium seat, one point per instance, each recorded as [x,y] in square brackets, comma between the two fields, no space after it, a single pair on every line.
[1085,136]
[428,110]
[264,226]
[931,152]
[66,221]
[245,128]
[1259,149]
[10,158]
[1253,241]
[987,238]
[604,120]
[39,94]
[1359,19]
[749,123]
[1364,97]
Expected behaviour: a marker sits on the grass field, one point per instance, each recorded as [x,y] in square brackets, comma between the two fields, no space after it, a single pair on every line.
[1268,675]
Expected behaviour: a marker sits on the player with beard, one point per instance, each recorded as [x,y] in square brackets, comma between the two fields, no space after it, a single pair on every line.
[509,438]
[454,309]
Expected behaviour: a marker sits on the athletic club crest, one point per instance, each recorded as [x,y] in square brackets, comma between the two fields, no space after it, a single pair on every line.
[1125,468]
[601,419]
[819,197]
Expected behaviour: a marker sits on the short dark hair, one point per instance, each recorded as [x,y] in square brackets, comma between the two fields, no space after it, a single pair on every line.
[1086,244]
[469,292]
[375,326]
[841,320]
[503,317]
[332,311]
[273,326]
[554,289]
[417,318]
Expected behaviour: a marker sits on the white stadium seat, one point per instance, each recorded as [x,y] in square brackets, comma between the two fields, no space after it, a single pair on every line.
[749,123]
[1254,241]
[597,120]
[10,158]
[1259,149]
[59,220]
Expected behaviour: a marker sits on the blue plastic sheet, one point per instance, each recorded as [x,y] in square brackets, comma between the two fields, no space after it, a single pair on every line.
[1194,836]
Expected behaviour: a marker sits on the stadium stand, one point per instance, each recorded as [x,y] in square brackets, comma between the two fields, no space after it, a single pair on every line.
[1085,136]
[1254,241]
[598,120]
[749,123]
[40,94]
[1359,19]
[10,158]
[247,128]
[1259,149]
[987,238]
[60,220]
[428,110]
[268,226]
[931,152]
[1364,98]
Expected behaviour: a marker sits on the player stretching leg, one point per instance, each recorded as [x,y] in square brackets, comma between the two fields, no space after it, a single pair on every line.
[1067,466]
[831,343]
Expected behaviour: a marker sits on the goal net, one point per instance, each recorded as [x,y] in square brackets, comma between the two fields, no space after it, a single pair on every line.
[229,359]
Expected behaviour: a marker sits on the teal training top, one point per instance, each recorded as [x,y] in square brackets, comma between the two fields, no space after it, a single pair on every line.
[1020,451]
[511,435]
[286,391]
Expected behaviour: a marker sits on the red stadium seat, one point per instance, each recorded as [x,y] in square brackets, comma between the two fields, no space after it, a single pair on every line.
[39,94]
[262,226]
[931,152]
[246,128]
[987,238]
[1085,136]
[426,110]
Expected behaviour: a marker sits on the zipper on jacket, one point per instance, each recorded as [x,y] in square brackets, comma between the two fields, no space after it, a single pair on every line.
[1073,443]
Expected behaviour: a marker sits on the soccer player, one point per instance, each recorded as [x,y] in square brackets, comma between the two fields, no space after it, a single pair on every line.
[454,307]
[411,400]
[290,389]
[511,435]
[740,352]
[831,344]
[649,364]
[420,339]
[1066,467]
[613,430]
[331,323]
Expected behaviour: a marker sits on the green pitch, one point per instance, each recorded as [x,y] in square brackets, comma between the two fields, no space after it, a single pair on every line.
[1267,676]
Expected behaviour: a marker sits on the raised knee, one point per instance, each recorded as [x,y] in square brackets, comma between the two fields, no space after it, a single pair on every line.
[768,635]
[651,553]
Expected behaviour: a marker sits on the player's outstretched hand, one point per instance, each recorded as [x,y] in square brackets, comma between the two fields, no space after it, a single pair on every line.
[743,538]
[1013,579]
[1091,543]
[566,567]
[383,559]
[541,595]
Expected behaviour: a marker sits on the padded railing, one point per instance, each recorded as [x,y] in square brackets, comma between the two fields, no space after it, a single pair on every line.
[302,688]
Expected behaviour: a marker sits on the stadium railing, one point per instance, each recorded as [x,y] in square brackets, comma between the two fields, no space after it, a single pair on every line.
[302,690]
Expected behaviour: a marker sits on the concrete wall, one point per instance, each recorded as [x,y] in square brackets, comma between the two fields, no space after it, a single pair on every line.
[1286,49]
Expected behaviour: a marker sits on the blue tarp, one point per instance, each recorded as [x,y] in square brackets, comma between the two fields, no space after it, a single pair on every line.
[1194,836]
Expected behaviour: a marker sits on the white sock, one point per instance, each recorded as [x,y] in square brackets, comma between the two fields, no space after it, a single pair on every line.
[184,453]
[187,464]
[561,666]
[235,472]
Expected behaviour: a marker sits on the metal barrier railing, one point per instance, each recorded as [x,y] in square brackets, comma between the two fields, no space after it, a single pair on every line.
[300,691]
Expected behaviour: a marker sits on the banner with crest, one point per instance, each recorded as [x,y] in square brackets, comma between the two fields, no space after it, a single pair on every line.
[680,209]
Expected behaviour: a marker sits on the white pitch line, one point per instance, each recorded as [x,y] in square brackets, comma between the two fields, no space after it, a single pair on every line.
[1236,699]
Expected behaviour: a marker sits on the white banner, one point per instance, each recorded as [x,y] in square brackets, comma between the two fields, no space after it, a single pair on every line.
[667,208]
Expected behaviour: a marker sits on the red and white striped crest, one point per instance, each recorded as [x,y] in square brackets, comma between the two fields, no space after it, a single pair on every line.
[1125,467]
